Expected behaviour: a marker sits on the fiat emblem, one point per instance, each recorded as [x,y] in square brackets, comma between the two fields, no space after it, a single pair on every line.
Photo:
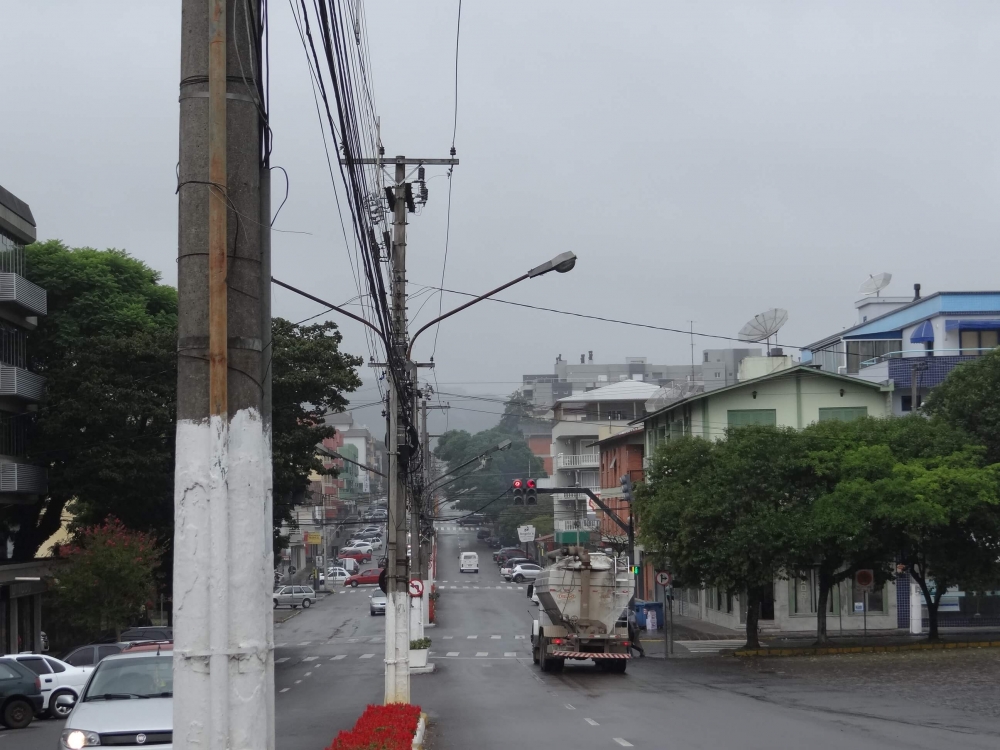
[140,739]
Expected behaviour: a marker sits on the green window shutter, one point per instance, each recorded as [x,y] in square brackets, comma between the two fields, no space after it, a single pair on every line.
[843,413]
[744,417]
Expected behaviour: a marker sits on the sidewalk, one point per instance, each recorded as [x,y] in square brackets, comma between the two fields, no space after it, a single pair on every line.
[689,629]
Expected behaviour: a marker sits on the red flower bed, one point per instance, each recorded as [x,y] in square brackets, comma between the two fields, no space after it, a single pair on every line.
[381,728]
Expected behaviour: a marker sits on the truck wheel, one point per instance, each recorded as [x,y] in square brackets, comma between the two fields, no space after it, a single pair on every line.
[616,666]
[534,652]
[556,665]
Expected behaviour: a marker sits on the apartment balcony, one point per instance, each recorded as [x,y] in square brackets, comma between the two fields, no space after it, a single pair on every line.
[20,383]
[23,479]
[29,298]
[577,461]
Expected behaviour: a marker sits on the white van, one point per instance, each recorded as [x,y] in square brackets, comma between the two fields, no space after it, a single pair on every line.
[468,562]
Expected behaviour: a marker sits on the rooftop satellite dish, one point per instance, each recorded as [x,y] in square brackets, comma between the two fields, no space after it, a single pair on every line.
[876,283]
[764,325]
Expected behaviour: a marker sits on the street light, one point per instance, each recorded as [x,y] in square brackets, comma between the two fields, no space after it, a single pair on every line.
[560,264]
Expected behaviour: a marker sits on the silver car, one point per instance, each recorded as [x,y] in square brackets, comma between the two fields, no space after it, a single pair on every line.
[525,572]
[293,596]
[128,701]
[376,603]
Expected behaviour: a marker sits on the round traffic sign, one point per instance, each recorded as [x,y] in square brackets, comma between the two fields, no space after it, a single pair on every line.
[865,578]
[663,578]
[416,588]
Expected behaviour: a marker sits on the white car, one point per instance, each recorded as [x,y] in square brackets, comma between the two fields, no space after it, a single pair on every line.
[129,696]
[337,576]
[57,678]
[525,572]
[360,546]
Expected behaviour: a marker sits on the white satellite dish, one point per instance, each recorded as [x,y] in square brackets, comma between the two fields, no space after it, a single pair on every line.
[876,283]
[764,325]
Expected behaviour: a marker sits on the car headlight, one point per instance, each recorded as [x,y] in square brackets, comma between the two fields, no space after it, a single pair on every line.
[75,739]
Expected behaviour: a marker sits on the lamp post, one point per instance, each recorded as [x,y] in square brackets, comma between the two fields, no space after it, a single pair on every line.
[562,263]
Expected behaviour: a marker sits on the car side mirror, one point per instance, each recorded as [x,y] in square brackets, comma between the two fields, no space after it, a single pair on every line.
[66,701]
[531,590]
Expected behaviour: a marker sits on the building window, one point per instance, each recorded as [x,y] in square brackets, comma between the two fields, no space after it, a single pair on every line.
[861,351]
[842,413]
[974,341]
[876,599]
[744,417]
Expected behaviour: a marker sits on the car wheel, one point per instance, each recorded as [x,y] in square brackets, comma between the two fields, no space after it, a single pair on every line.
[306,603]
[275,603]
[17,714]
[55,711]
[518,579]
[371,612]
[354,584]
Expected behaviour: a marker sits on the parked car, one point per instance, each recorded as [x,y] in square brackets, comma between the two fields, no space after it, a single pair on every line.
[370,530]
[58,678]
[294,596]
[91,654]
[147,633]
[493,542]
[369,575]
[525,571]
[20,694]
[337,575]
[499,552]
[129,699]
[473,519]
[483,534]
[507,554]
[376,603]
[361,555]
[361,544]
[507,569]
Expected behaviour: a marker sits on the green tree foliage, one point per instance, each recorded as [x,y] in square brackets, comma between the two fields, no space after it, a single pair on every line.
[311,375]
[107,579]
[970,398]
[725,514]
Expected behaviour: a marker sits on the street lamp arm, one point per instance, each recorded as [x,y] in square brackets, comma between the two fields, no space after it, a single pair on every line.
[332,306]
[470,303]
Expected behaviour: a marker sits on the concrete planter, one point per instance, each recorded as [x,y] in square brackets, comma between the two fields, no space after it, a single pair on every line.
[418,657]
[418,736]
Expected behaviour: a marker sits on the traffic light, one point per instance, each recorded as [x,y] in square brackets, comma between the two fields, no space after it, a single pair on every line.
[530,493]
[518,487]
[626,481]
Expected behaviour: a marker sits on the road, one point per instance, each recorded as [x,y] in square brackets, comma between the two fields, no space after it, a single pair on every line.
[485,692]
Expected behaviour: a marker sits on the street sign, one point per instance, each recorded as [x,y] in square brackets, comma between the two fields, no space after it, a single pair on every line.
[526,533]
[416,588]
[865,579]
[663,578]
[580,524]
[313,537]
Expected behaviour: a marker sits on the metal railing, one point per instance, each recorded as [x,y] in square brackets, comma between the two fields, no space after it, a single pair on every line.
[25,294]
[23,478]
[577,460]
[967,352]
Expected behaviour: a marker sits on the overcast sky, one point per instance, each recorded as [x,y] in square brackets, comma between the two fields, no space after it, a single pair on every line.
[705,161]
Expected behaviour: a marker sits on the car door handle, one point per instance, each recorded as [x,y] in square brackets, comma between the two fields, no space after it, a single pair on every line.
[48,679]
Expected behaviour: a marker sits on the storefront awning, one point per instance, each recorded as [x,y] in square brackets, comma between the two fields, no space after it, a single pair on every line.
[974,324]
[923,333]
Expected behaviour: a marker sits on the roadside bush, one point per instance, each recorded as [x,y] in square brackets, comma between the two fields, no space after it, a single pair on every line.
[421,643]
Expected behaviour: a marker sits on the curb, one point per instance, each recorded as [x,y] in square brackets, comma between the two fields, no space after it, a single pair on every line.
[863,649]
[418,736]
[292,614]
[423,670]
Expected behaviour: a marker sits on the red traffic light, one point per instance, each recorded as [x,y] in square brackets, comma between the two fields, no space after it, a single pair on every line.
[517,484]
[531,484]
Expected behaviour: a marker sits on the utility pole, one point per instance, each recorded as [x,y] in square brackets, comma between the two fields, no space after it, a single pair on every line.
[692,350]
[223,668]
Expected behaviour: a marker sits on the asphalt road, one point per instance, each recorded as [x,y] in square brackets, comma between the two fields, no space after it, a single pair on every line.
[486,694]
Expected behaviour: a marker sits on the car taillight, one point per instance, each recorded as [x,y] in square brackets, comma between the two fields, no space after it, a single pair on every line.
[557,641]
[38,684]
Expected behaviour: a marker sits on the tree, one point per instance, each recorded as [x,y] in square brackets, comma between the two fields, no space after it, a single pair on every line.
[725,513]
[107,349]
[108,577]
[969,398]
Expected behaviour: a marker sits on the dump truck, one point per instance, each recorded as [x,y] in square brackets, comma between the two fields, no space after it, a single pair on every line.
[582,599]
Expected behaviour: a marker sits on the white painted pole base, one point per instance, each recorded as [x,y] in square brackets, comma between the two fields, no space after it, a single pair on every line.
[916,610]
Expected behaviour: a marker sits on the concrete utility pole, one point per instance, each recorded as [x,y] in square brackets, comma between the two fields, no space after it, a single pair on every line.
[223,669]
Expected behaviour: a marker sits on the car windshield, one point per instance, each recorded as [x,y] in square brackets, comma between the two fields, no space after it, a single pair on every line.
[132,678]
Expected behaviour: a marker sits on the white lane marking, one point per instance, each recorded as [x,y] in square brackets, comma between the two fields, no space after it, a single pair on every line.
[282,660]
[307,674]
[452,653]
[499,587]
[520,588]
[495,637]
[366,656]
[472,637]
[298,682]
[311,658]
[465,587]
[280,645]
[510,587]
[305,643]
[508,654]
[284,690]
[320,664]
[623,743]
[475,587]
[454,587]
[447,637]
[592,722]
[482,653]
[571,707]
[338,657]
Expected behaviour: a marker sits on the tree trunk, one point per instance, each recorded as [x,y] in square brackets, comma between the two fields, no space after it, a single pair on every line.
[932,612]
[825,581]
[753,615]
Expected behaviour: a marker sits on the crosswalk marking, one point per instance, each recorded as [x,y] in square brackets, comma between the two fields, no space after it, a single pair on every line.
[310,658]
[366,656]
[305,643]
[452,653]
[447,637]
[623,742]
[495,637]
[472,637]
[508,654]
[284,690]
[282,660]
[482,653]
[338,657]
[592,722]
[280,645]
[519,637]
